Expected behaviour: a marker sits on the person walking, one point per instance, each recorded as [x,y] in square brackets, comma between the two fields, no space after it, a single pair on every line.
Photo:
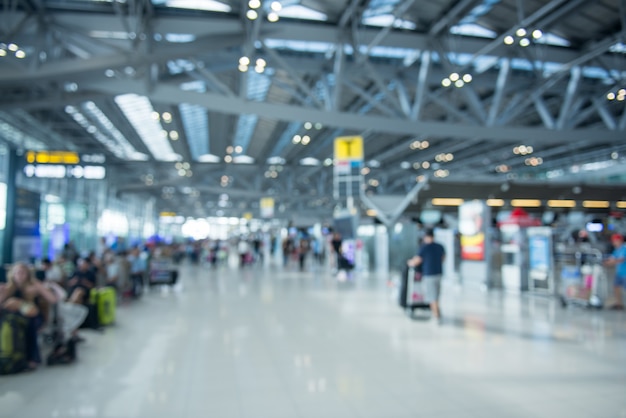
[618,260]
[430,257]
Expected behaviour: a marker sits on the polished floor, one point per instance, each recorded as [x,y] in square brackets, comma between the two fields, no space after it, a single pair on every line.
[278,343]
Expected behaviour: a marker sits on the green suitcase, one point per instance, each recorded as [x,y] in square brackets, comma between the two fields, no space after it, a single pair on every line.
[105,300]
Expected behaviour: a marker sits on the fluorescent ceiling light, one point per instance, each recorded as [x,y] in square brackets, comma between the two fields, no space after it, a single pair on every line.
[310,161]
[180,38]
[138,110]
[495,202]
[103,34]
[447,202]
[562,203]
[526,203]
[207,5]
[596,204]
[276,160]
[243,159]
[297,11]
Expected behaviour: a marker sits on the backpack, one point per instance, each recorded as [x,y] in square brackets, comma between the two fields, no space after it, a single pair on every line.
[12,343]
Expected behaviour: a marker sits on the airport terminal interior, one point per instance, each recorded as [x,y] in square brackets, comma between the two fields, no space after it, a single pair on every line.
[208,208]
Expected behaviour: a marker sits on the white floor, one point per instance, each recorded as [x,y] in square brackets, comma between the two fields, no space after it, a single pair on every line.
[273,343]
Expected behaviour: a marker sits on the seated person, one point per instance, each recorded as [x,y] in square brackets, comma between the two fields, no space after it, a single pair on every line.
[81,283]
[26,295]
[112,269]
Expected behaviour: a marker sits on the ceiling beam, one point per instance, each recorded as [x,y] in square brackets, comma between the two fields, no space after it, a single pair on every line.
[234,105]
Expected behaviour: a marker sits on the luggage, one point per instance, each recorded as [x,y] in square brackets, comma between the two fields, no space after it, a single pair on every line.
[162,272]
[12,343]
[63,353]
[411,295]
[105,300]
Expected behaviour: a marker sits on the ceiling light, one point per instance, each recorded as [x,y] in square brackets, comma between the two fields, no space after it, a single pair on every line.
[186,165]
[260,62]
[318,126]
[424,144]
[306,139]
[259,69]
[276,6]
[449,157]
[446,82]
[596,204]
[328,162]
[13,47]
[20,54]
[537,34]
[238,149]
[244,61]
[182,172]
[365,171]
[417,165]
[252,14]
[467,78]
[521,32]
[620,205]
[243,68]
[156,116]
[526,203]
[524,42]
[562,203]
[254,4]
[273,17]
[495,202]
[308,125]
[447,202]
[228,159]
[296,139]
[459,83]
[454,77]
[230,149]
[167,117]
[509,40]
[425,165]
[174,135]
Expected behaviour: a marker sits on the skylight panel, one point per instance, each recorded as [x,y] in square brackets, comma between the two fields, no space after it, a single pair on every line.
[378,7]
[19,138]
[206,5]
[386,20]
[554,40]
[96,123]
[300,46]
[388,52]
[297,11]
[196,124]
[472,29]
[139,112]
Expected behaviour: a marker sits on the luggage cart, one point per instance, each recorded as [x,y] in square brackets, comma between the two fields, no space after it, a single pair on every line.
[411,295]
[162,272]
[582,279]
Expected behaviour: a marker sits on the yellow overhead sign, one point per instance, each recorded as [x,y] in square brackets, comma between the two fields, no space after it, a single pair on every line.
[52,157]
[349,148]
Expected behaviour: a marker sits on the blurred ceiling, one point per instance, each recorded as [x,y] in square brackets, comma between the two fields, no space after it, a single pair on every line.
[192,101]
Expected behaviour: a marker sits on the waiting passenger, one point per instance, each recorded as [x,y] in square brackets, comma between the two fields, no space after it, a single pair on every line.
[618,260]
[81,283]
[30,298]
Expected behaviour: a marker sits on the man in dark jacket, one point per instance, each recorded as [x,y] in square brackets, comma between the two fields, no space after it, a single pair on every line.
[430,257]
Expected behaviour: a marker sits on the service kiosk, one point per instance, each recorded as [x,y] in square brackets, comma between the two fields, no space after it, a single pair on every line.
[514,248]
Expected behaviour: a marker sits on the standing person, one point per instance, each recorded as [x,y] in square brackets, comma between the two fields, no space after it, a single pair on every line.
[303,249]
[430,256]
[137,271]
[618,260]
[243,248]
[336,243]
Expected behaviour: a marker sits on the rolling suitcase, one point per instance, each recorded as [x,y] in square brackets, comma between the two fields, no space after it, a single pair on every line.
[12,343]
[105,304]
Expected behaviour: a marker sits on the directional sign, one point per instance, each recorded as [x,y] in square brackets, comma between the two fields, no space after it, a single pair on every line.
[349,148]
